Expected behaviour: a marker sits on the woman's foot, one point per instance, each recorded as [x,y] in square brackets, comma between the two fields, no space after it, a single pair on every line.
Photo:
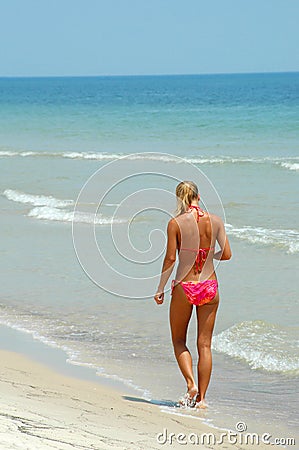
[189,398]
[200,404]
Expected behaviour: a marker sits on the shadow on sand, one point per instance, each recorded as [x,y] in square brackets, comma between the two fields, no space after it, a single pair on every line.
[167,403]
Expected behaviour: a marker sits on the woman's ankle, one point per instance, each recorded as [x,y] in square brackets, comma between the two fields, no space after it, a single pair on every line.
[191,386]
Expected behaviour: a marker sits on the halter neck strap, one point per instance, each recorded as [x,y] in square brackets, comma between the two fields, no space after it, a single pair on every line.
[199,211]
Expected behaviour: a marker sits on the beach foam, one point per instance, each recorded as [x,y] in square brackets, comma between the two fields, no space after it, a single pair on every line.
[48,213]
[285,162]
[262,345]
[288,239]
[36,200]
[290,166]
[51,208]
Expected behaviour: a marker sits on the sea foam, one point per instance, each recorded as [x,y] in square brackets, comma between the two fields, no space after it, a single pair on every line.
[284,238]
[262,345]
[290,166]
[48,207]
[61,215]
[36,200]
[285,162]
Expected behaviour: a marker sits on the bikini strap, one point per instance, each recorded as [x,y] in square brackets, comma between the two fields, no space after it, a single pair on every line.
[198,210]
[201,256]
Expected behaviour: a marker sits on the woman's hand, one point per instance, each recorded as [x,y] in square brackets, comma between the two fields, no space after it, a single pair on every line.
[159,298]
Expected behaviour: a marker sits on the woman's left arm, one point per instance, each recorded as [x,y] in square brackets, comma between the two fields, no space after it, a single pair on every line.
[169,260]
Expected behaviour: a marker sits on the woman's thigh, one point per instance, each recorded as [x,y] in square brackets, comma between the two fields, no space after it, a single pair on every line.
[180,313]
[206,315]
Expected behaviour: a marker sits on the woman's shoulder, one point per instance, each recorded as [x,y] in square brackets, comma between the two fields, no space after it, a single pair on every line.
[213,216]
[172,223]
[215,220]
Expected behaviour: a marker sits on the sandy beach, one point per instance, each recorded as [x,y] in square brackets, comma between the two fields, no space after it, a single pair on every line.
[43,409]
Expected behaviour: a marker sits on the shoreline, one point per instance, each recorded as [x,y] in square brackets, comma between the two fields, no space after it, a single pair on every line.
[42,408]
[54,358]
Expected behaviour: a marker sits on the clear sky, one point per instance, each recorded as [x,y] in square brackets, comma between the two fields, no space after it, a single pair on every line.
[123,37]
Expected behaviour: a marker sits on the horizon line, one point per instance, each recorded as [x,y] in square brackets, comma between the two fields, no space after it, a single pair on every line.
[150,75]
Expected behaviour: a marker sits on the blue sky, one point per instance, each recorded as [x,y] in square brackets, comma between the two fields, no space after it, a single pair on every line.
[123,37]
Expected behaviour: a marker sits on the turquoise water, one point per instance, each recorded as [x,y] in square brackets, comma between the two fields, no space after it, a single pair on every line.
[228,114]
[241,131]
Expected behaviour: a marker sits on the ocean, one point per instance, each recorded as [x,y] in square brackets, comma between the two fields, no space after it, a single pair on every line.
[127,141]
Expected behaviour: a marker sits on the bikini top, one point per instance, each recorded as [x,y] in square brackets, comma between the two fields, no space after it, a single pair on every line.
[202,253]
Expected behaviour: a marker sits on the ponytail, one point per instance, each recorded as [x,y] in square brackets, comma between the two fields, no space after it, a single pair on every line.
[186,191]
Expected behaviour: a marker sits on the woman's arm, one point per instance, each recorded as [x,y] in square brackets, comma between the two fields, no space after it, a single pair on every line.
[169,260]
[225,253]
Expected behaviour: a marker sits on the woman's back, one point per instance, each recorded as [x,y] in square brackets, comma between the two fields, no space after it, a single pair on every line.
[197,234]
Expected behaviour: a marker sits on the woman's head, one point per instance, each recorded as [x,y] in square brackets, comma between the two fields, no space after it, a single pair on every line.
[186,192]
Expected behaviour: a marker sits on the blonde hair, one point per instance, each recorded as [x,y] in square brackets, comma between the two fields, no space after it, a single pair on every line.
[186,191]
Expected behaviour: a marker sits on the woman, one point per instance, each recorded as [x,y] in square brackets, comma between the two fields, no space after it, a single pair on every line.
[193,232]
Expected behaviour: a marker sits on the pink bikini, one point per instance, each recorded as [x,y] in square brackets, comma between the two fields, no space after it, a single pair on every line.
[201,292]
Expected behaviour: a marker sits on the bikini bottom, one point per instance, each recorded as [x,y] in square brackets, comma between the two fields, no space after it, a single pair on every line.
[198,293]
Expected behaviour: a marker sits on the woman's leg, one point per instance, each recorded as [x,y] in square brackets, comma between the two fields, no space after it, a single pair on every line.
[180,314]
[206,315]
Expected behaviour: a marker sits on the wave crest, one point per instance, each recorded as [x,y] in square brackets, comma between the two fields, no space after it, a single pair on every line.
[51,208]
[288,239]
[285,162]
[61,215]
[36,200]
[290,166]
[262,345]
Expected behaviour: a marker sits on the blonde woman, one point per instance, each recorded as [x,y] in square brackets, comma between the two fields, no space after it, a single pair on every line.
[193,233]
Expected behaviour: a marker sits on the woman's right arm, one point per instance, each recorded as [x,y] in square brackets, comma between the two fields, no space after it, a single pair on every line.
[225,252]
